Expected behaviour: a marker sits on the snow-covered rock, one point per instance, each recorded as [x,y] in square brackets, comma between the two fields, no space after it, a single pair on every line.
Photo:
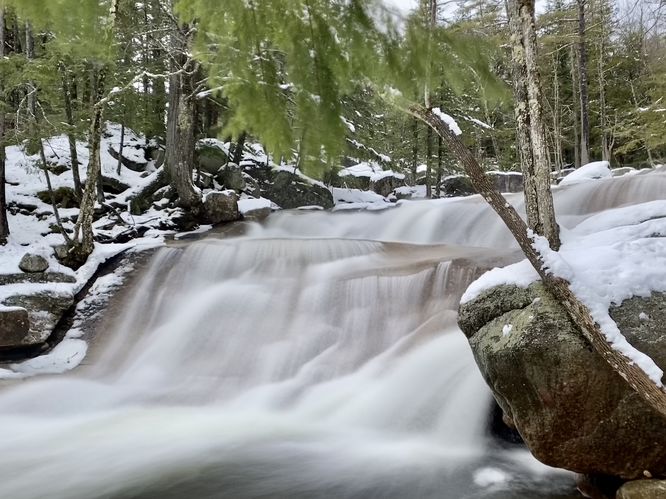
[591,171]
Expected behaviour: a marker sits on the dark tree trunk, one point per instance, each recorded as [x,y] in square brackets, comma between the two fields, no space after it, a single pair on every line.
[415,149]
[4,225]
[121,147]
[428,163]
[583,93]
[181,120]
[238,150]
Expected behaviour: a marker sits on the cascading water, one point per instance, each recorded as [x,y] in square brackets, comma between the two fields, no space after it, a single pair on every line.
[310,358]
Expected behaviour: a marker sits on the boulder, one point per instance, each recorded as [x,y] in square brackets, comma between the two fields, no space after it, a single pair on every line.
[642,489]
[38,277]
[457,185]
[33,263]
[221,207]
[210,158]
[134,156]
[64,197]
[571,408]
[45,309]
[231,177]
[14,326]
[387,184]
[290,191]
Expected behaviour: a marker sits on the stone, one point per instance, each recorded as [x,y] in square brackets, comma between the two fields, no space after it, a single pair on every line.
[64,197]
[45,309]
[290,191]
[33,263]
[39,277]
[386,185]
[231,177]
[457,185]
[134,156]
[571,408]
[221,207]
[14,326]
[210,158]
[642,489]
[257,213]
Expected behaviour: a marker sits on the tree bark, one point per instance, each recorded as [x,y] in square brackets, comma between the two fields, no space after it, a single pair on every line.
[4,225]
[238,150]
[579,313]
[576,105]
[120,148]
[531,130]
[83,242]
[180,141]
[583,92]
[428,172]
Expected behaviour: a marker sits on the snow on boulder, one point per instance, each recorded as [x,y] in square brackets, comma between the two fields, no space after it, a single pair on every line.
[255,209]
[591,171]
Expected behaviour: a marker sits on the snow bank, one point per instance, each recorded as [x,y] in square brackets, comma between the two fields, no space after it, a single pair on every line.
[591,171]
[608,258]
[250,204]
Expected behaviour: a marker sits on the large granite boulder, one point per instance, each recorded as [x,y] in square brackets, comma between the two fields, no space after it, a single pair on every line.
[221,207]
[570,407]
[231,177]
[642,489]
[45,309]
[386,184]
[14,326]
[290,191]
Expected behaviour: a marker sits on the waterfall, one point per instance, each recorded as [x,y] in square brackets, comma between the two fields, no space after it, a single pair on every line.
[316,356]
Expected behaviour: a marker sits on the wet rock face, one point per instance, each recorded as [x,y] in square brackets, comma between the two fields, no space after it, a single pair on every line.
[571,408]
[14,326]
[33,263]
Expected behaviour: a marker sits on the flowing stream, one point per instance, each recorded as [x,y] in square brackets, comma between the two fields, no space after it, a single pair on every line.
[315,356]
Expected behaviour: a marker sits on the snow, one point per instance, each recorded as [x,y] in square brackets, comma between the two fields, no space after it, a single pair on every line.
[607,259]
[591,171]
[450,122]
[250,204]
[356,199]
[506,330]
[66,355]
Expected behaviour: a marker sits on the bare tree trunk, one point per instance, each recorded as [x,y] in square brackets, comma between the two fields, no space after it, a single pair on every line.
[576,105]
[180,141]
[30,55]
[531,130]
[415,149]
[559,288]
[557,114]
[428,172]
[583,93]
[440,157]
[121,147]
[83,242]
[238,150]
[49,186]
[67,98]
[4,225]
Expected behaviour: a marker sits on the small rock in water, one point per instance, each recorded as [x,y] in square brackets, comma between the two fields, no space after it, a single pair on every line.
[33,263]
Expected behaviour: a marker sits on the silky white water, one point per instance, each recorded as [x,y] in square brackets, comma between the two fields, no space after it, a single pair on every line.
[309,358]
